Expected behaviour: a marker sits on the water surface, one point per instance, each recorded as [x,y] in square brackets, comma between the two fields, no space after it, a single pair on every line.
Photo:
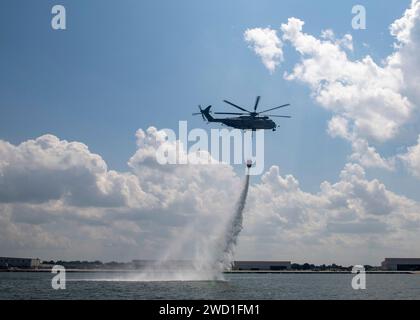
[89,285]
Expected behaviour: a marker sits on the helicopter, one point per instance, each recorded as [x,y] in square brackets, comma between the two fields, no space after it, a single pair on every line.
[245,120]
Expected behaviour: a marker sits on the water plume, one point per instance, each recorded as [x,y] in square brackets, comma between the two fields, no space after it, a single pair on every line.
[214,252]
[234,228]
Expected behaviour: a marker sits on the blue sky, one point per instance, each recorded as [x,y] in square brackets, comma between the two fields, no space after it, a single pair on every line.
[125,65]
[121,66]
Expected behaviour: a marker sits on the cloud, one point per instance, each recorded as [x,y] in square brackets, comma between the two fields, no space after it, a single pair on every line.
[47,169]
[364,154]
[339,127]
[370,102]
[411,159]
[58,188]
[403,29]
[346,42]
[362,92]
[143,213]
[344,221]
[368,157]
[406,30]
[266,45]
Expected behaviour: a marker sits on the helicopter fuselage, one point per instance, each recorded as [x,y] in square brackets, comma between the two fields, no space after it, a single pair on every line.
[248,123]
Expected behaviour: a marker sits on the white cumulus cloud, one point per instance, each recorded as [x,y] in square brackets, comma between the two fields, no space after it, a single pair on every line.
[412,159]
[59,200]
[266,45]
[370,101]
[366,94]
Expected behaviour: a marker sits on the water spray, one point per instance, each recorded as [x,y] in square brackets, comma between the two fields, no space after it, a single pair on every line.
[234,228]
[213,256]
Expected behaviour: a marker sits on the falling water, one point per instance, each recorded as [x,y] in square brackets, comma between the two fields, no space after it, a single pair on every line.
[234,227]
[212,258]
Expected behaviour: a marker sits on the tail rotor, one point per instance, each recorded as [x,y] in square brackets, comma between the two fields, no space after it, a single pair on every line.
[200,113]
[205,114]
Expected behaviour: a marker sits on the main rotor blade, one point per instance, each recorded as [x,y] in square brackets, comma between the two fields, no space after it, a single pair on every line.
[196,114]
[234,105]
[276,116]
[283,106]
[256,103]
[231,113]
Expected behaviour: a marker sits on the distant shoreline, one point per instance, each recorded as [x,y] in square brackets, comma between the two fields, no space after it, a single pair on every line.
[227,272]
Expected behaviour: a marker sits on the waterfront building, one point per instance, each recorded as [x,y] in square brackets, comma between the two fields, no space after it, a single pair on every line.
[6,262]
[401,264]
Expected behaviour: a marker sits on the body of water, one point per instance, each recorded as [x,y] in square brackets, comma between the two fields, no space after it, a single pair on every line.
[89,285]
